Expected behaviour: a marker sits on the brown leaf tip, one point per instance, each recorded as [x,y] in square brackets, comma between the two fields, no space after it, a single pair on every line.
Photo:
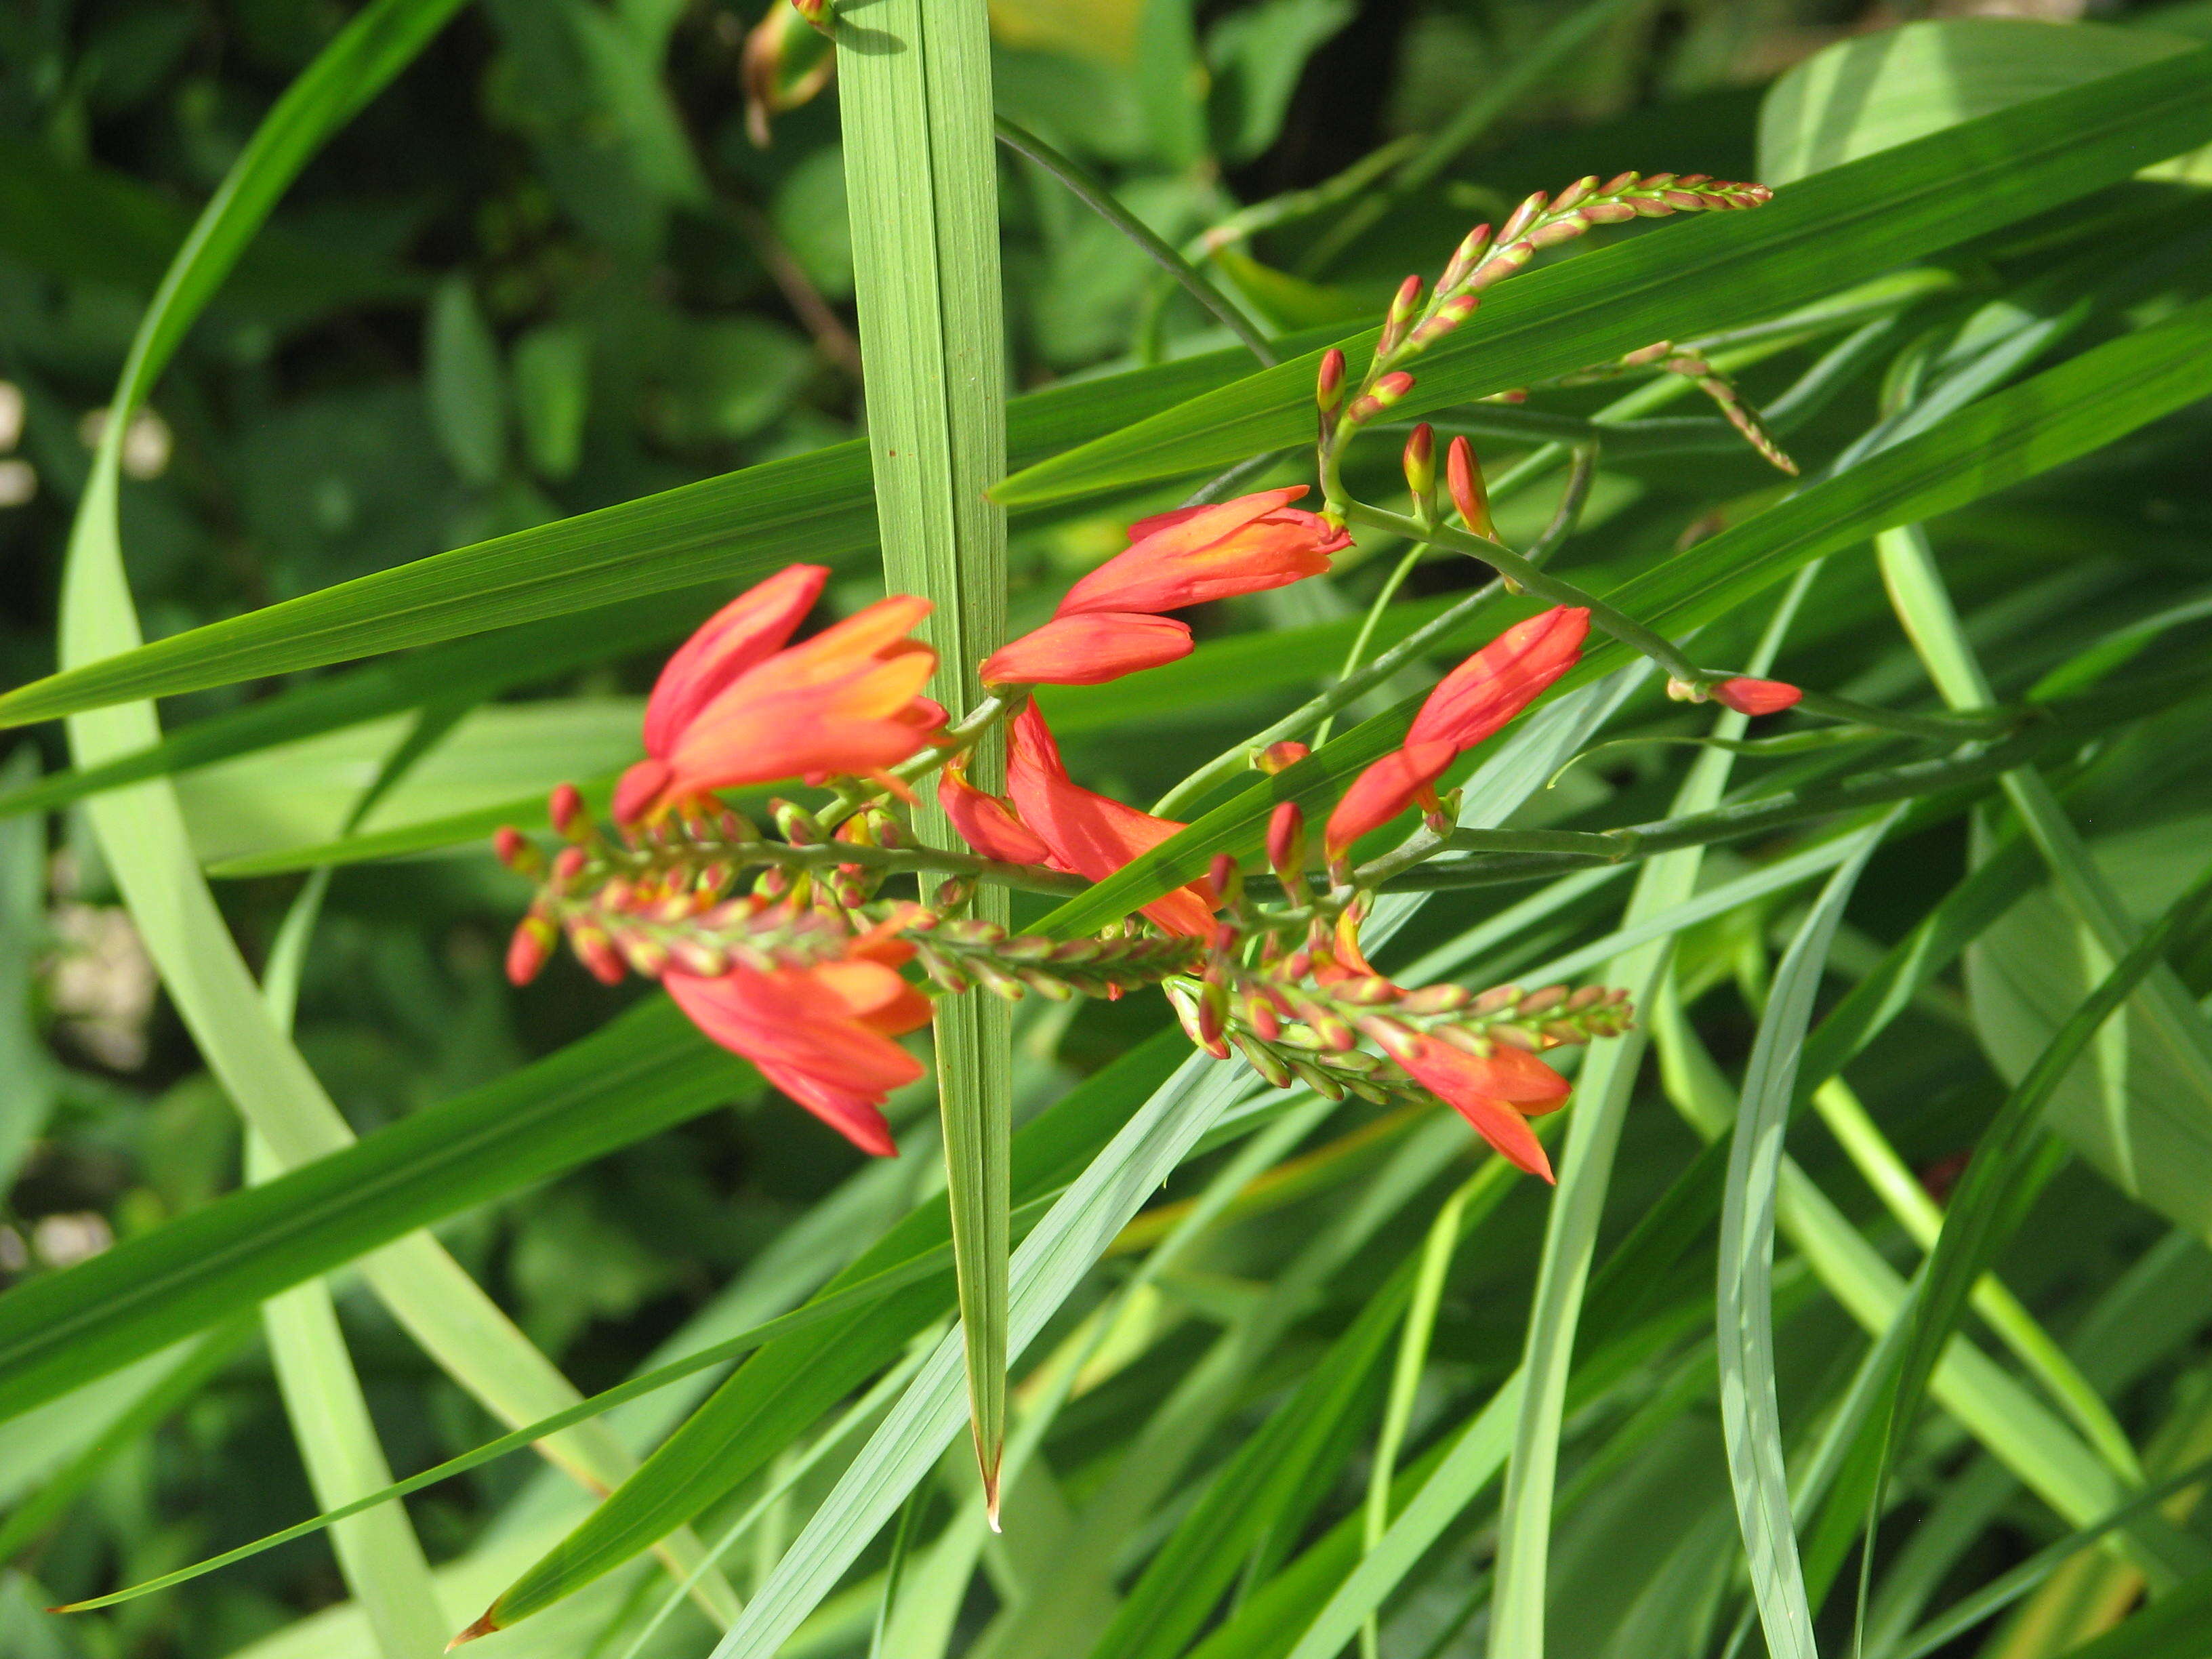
[484,1626]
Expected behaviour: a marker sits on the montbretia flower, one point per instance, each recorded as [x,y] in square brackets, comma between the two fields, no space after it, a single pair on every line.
[987,824]
[1189,556]
[1497,1092]
[737,704]
[821,1033]
[1091,835]
[1469,704]
[1089,648]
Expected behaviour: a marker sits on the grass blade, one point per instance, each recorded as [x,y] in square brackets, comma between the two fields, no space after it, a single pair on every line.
[921,171]
[1750,1412]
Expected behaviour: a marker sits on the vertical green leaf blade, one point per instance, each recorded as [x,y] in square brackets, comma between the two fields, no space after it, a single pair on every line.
[921,175]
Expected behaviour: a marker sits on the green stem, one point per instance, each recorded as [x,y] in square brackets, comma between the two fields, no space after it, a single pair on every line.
[1395,580]
[1092,192]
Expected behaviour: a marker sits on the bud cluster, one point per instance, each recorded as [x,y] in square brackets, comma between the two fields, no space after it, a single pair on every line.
[1410,326]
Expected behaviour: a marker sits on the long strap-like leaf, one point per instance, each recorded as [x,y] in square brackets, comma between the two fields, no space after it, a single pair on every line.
[920,172]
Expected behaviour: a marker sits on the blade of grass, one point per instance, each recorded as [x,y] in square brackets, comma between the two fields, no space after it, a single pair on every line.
[921,171]
[1750,1411]
[377,1553]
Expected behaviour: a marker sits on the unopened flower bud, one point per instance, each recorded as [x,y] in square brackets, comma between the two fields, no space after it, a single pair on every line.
[1447,317]
[1384,393]
[595,951]
[527,950]
[1576,194]
[517,851]
[786,61]
[1281,757]
[1556,231]
[1400,317]
[1287,847]
[1228,880]
[1523,217]
[1464,477]
[1420,464]
[565,807]
[1463,258]
[953,894]
[1329,387]
[568,864]
[1749,696]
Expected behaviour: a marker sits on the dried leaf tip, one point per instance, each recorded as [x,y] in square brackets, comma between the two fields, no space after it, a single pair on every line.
[484,1626]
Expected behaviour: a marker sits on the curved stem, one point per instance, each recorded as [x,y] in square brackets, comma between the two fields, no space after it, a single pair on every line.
[1093,192]
[1383,599]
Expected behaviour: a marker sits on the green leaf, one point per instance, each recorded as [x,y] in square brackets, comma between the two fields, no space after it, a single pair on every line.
[1880,90]
[1993,1197]
[736,528]
[2011,435]
[922,174]
[464,381]
[1750,1413]
[552,373]
[469,670]
[1933,193]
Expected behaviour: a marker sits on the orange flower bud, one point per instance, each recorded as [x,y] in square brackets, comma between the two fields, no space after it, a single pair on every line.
[1464,477]
[1329,385]
[527,950]
[1287,847]
[1281,757]
[1420,464]
[1749,696]
[1469,705]
[1087,649]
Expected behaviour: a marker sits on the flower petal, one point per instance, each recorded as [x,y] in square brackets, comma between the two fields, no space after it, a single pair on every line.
[743,633]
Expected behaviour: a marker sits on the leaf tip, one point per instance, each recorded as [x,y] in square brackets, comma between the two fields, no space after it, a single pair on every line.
[484,1626]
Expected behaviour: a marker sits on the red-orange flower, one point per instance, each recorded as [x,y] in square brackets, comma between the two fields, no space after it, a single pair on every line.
[987,824]
[1469,705]
[1088,649]
[1750,697]
[1185,557]
[1089,834]
[1496,1092]
[821,1034]
[732,708]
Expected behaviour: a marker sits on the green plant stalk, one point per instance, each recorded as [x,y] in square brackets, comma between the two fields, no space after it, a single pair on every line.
[1662,651]
[920,169]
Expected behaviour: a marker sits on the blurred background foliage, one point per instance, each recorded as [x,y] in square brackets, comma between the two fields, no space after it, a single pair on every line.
[552,270]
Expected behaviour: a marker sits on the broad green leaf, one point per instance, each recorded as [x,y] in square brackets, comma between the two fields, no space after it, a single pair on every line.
[727,531]
[921,175]
[465,384]
[1992,1199]
[1910,201]
[467,671]
[1880,90]
[301,793]
[2009,436]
